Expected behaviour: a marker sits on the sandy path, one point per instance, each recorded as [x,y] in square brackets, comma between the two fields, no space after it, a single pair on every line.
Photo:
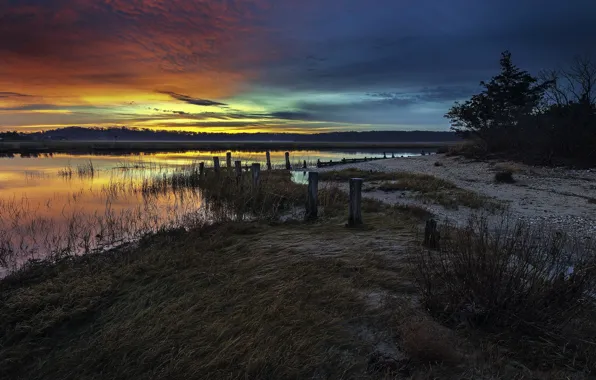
[556,196]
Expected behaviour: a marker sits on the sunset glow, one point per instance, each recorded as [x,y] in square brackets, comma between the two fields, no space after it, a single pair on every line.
[253,65]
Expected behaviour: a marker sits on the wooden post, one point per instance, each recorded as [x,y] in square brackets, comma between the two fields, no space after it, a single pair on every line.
[304,165]
[318,163]
[238,165]
[355,209]
[384,155]
[201,169]
[256,174]
[312,204]
[216,165]
[268,155]
[229,161]
[288,166]
[431,234]
[392,155]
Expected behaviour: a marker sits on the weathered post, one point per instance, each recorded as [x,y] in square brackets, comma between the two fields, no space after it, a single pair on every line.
[318,163]
[312,203]
[201,169]
[229,161]
[238,165]
[216,165]
[304,165]
[355,209]
[384,155]
[288,166]
[268,155]
[431,234]
[392,155]
[256,174]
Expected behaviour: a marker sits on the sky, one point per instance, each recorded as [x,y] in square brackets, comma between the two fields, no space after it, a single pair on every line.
[269,65]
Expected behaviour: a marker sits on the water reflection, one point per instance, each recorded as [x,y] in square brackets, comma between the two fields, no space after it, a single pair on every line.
[60,203]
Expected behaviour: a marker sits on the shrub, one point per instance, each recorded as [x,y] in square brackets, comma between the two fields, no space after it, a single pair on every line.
[504,176]
[513,275]
[438,163]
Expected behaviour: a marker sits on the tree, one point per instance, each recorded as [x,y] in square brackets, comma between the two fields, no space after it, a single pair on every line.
[506,99]
[573,84]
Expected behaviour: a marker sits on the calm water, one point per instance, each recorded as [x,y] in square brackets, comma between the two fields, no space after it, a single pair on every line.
[66,203]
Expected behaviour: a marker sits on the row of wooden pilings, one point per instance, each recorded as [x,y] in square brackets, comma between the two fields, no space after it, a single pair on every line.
[312,204]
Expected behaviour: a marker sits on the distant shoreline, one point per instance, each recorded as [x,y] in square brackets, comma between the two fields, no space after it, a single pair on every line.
[41,147]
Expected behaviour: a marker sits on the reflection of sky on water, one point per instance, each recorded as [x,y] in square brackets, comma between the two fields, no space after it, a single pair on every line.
[35,199]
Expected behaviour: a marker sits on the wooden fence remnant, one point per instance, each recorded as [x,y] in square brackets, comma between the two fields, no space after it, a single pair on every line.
[355,208]
[312,203]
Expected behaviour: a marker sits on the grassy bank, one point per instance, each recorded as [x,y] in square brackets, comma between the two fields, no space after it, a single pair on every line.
[424,187]
[278,298]
[123,147]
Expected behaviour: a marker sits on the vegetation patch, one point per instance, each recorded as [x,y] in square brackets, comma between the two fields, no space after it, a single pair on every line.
[427,187]
[516,281]
[504,176]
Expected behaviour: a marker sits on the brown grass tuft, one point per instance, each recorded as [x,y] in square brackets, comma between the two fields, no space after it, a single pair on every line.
[427,341]
[504,176]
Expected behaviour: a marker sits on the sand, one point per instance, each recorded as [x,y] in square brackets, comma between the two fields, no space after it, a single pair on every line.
[555,197]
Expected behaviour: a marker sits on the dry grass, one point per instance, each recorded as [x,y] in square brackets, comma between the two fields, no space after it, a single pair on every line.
[249,300]
[531,287]
[427,187]
[236,301]
[504,177]
[508,167]
[426,341]
[438,191]
[346,174]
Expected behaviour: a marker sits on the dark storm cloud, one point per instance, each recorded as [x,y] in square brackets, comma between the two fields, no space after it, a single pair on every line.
[428,43]
[191,100]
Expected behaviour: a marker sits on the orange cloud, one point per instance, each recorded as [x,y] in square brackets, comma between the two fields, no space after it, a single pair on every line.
[110,51]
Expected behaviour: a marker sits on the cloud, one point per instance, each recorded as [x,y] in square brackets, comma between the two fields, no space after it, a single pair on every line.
[5,94]
[123,47]
[191,100]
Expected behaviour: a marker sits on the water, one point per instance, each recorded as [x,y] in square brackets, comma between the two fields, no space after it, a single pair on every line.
[81,203]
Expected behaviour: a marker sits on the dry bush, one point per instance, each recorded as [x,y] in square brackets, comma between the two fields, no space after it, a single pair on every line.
[511,275]
[508,167]
[504,176]
[530,288]
[468,149]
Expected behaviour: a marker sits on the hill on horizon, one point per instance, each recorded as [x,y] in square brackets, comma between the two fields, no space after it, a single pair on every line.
[127,134]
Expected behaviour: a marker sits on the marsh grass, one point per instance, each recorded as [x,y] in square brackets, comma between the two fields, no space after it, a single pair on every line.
[426,188]
[168,198]
[217,301]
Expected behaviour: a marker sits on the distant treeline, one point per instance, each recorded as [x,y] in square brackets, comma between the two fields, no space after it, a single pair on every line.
[130,134]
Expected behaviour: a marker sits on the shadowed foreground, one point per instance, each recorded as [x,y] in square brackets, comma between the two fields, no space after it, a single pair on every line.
[233,301]
[257,300]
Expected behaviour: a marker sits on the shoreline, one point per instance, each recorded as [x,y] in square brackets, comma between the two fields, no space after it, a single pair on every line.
[107,147]
[557,197]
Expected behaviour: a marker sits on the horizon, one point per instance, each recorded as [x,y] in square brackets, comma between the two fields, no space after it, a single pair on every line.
[249,66]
